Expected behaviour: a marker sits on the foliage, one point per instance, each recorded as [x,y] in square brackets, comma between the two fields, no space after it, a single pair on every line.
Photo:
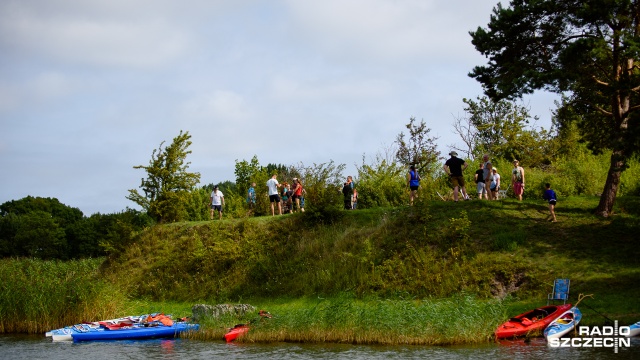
[47,229]
[37,227]
[381,183]
[418,149]
[584,49]
[322,184]
[346,319]
[501,128]
[245,172]
[168,183]
[37,296]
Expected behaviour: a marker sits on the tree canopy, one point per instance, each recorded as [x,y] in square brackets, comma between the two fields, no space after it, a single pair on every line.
[586,50]
[168,183]
[419,148]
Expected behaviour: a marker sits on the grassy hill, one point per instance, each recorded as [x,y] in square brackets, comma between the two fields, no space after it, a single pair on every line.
[395,275]
[503,249]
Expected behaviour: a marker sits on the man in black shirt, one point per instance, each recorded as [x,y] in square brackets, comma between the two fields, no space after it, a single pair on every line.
[454,168]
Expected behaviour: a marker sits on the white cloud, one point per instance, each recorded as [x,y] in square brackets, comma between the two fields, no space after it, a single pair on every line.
[399,31]
[93,37]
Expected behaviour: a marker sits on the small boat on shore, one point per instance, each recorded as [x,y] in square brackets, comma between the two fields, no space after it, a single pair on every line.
[136,332]
[563,324]
[236,332]
[134,327]
[531,322]
[241,329]
[634,330]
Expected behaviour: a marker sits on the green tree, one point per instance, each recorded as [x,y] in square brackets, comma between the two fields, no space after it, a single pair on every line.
[322,184]
[381,183]
[502,129]
[245,171]
[585,49]
[418,148]
[168,183]
[38,227]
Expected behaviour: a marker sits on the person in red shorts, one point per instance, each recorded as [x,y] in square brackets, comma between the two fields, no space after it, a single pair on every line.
[517,179]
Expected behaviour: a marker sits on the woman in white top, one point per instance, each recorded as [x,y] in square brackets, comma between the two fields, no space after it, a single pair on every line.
[495,183]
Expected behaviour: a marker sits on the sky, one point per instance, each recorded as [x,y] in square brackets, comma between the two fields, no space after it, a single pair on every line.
[89,88]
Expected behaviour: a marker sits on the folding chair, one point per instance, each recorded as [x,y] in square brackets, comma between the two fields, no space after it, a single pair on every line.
[502,194]
[560,291]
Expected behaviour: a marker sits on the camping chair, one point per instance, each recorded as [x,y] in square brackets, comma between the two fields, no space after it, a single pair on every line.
[560,291]
[502,194]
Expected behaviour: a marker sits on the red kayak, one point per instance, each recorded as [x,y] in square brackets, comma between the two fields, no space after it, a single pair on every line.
[236,331]
[242,329]
[530,322]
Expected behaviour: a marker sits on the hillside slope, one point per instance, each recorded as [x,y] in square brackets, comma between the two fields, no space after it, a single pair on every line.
[434,249]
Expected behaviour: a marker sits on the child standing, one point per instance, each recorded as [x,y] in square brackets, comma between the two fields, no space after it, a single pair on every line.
[550,195]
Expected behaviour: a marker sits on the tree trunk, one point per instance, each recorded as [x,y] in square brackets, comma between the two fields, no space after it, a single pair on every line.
[608,197]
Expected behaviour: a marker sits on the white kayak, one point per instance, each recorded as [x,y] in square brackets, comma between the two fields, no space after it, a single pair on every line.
[563,324]
[634,330]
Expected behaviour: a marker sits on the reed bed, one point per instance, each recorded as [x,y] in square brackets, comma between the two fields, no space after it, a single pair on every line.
[37,296]
[457,320]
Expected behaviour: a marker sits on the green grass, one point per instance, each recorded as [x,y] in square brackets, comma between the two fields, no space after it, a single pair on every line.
[386,275]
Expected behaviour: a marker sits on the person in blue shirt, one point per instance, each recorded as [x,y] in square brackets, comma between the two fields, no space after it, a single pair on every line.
[550,196]
[251,196]
[413,181]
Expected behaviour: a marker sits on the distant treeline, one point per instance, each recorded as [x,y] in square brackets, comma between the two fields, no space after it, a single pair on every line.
[45,228]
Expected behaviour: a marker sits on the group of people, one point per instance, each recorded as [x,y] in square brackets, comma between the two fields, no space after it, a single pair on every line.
[487,181]
[292,195]
[487,178]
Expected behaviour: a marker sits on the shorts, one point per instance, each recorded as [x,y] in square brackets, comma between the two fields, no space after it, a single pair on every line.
[295,197]
[216,207]
[274,198]
[457,181]
[481,188]
[517,188]
[552,202]
[414,188]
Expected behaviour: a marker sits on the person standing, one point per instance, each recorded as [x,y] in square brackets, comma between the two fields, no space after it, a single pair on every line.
[479,179]
[355,198]
[487,175]
[551,197]
[217,202]
[517,179]
[454,168]
[251,196]
[347,192]
[297,194]
[274,198]
[495,184]
[413,181]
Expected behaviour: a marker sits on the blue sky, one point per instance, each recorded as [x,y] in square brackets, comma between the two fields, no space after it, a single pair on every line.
[88,88]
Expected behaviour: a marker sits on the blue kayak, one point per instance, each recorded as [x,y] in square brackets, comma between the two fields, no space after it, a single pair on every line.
[136,332]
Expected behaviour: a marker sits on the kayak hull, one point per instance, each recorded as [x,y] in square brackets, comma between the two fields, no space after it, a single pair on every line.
[563,324]
[134,332]
[634,330]
[532,322]
[236,332]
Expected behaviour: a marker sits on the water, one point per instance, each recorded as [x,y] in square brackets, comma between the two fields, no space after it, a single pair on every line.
[38,347]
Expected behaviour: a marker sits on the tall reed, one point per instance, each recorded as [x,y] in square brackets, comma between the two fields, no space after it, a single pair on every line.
[344,319]
[37,295]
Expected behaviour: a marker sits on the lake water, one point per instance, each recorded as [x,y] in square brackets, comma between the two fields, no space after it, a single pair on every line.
[39,347]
